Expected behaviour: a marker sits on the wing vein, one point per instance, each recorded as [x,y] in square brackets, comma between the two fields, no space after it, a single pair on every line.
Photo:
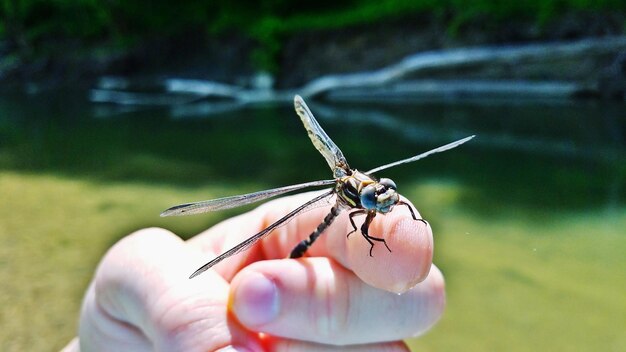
[423,155]
[329,150]
[239,200]
[253,239]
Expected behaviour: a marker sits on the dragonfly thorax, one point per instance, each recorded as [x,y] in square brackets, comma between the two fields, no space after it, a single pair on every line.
[359,190]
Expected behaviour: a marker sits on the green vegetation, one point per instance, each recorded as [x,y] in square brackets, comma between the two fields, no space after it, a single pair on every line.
[31,24]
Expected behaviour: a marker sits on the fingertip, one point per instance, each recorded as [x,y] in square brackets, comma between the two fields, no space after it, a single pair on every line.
[408,262]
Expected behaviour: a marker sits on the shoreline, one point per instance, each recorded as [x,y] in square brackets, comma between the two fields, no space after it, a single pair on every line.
[424,75]
[576,55]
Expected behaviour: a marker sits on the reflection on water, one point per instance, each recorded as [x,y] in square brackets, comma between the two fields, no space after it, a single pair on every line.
[538,195]
[555,155]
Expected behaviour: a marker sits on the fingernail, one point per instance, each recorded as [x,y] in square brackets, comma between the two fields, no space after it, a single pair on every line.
[256,300]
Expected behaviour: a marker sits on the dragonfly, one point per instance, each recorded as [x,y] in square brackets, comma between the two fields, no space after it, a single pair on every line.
[355,191]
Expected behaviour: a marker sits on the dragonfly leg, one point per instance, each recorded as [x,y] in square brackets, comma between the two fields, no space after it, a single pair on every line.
[365,232]
[301,248]
[351,216]
[412,212]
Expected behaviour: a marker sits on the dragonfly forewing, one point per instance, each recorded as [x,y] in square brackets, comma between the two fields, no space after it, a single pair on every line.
[331,152]
[235,201]
[253,239]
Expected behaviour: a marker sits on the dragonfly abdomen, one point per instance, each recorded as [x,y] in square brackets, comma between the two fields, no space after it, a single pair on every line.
[304,245]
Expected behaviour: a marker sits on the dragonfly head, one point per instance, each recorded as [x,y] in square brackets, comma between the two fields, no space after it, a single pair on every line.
[380,196]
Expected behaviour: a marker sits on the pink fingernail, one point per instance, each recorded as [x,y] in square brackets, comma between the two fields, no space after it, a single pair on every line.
[256,300]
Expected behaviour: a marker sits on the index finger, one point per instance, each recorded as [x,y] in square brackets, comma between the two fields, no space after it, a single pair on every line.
[410,242]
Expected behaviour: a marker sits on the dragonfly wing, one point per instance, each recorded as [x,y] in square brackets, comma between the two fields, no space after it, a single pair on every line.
[423,155]
[253,239]
[235,201]
[333,155]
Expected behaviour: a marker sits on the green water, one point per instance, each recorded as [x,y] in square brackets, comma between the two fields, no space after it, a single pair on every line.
[529,217]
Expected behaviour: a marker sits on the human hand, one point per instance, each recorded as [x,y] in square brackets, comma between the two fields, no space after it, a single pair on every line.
[141,299]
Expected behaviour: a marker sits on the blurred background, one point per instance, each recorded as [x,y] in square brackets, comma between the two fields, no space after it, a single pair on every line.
[112,111]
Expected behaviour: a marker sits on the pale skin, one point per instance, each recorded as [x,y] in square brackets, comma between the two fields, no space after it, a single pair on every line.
[337,298]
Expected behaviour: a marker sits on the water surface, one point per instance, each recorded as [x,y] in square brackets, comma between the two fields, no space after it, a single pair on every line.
[528,217]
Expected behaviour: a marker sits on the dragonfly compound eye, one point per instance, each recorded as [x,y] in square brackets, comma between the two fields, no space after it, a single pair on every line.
[388,183]
[368,197]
